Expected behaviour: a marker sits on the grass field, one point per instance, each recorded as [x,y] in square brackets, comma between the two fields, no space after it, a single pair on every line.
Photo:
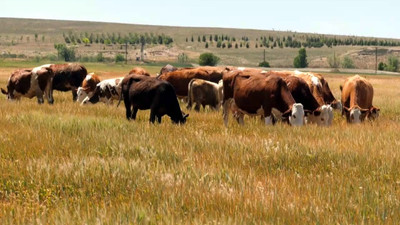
[67,164]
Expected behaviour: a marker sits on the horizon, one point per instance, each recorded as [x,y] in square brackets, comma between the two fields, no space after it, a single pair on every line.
[309,16]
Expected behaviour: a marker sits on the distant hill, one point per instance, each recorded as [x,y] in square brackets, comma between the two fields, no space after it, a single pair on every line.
[34,38]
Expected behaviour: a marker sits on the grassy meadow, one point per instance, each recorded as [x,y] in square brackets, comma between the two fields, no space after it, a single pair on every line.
[67,164]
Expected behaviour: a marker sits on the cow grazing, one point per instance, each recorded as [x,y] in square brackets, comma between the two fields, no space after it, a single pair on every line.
[180,78]
[140,71]
[320,89]
[202,92]
[258,95]
[68,77]
[88,87]
[357,96]
[106,91]
[316,113]
[29,83]
[143,92]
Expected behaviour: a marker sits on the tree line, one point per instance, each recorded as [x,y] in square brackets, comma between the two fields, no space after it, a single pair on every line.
[117,38]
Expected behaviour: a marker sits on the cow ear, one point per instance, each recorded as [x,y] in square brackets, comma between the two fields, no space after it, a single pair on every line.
[4,91]
[317,112]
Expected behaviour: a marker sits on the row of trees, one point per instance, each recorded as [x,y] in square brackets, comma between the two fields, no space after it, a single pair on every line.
[117,38]
[216,38]
[302,41]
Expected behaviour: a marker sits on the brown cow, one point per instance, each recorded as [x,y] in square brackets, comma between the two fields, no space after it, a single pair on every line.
[30,83]
[202,92]
[88,87]
[357,96]
[257,95]
[140,71]
[180,78]
[68,77]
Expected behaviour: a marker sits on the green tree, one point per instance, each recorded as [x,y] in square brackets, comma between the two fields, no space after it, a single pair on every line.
[206,44]
[99,57]
[204,38]
[86,41]
[347,62]
[182,58]
[67,53]
[334,61]
[393,64]
[301,59]
[236,45]
[264,64]
[382,66]
[119,58]
[247,45]
[192,39]
[219,43]
[208,59]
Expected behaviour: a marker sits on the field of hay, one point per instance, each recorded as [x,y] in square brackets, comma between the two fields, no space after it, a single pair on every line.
[67,164]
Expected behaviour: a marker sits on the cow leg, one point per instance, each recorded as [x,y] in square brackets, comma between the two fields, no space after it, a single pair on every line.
[225,112]
[159,119]
[133,116]
[49,92]
[74,93]
[152,116]
[128,110]
[240,118]
[197,107]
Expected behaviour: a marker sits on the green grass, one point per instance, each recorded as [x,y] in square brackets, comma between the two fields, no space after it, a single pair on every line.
[67,164]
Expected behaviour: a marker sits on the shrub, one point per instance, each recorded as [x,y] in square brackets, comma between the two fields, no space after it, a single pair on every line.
[264,64]
[393,64]
[208,59]
[99,57]
[67,53]
[119,58]
[301,59]
[333,61]
[347,63]
[182,58]
[382,66]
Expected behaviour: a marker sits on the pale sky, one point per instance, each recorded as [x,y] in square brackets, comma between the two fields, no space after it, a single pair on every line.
[348,17]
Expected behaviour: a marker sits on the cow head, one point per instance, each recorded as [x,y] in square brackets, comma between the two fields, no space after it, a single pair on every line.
[7,93]
[296,115]
[94,98]
[321,116]
[336,105]
[355,114]
[373,113]
[82,94]
[180,119]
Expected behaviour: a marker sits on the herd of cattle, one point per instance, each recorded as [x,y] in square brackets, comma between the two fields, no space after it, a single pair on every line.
[292,96]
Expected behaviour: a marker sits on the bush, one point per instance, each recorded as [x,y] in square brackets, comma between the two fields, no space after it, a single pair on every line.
[382,66]
[99,57]
[264,64]
[347,63]
[301,60]
[393,64]
[333,61]
[208,59]
[119,58]
[67,53]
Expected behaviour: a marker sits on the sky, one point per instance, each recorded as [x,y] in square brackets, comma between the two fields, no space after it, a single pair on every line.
[352,17]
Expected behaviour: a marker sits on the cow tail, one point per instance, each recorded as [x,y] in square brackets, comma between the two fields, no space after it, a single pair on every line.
[190,93]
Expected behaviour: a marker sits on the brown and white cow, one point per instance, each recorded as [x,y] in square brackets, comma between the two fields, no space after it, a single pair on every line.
[88,87]
[139,71]
[357,96]
[315,113]
[180,78]
[319,88]
[202,92]
[30,83]
[68,77]
[106,91]
[258,95]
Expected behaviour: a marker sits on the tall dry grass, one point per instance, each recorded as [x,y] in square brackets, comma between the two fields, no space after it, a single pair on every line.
[66,164]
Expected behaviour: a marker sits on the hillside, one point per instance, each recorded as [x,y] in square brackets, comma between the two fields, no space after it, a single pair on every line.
[33,38]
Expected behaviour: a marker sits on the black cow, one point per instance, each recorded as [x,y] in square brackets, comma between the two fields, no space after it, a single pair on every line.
[143,92]
[68,77]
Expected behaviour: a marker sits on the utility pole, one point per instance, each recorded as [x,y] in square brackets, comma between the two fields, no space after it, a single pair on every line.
[376,60]
[126,52]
